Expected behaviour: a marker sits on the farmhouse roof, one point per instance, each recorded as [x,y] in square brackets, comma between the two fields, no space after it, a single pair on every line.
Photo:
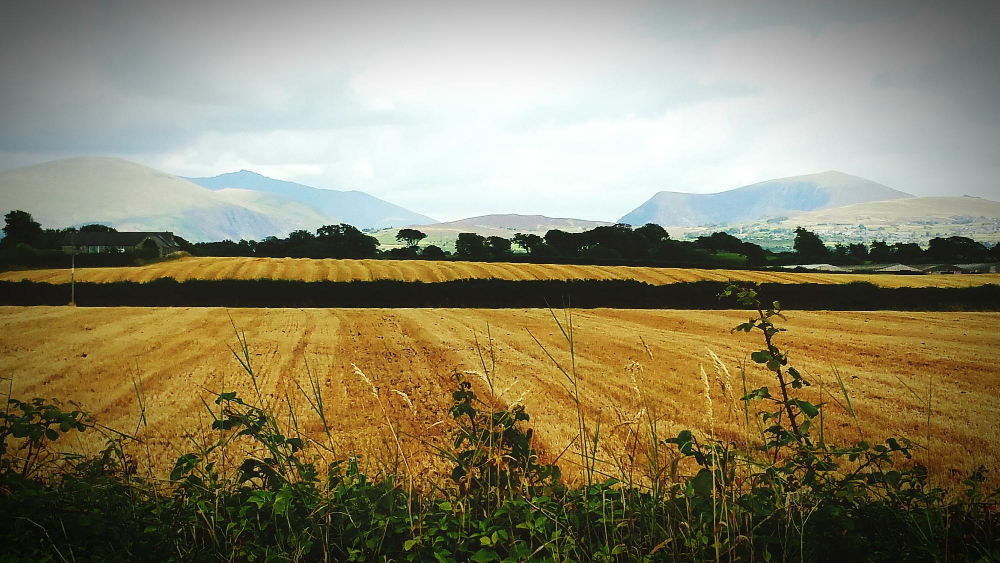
[899,268]
[816,267]
[117,239]
[943,268]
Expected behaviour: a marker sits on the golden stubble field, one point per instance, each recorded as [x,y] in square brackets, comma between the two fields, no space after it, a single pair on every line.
[91,355]
[307,269]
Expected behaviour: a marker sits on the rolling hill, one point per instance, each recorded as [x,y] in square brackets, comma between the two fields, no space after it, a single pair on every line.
[926,210]
[914,219]
[515,222]
[132,197]
[354,207]
[773,198]
[917,219]
[501,225]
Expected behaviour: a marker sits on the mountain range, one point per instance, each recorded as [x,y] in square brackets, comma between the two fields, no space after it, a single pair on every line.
[773,198]
[354,207]
[516,222]
[247,205]
[132,197]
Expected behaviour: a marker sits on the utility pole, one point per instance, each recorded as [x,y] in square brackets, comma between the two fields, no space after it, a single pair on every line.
[72,270]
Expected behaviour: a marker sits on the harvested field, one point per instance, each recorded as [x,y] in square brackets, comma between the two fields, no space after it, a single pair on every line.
[435,271]
[90,356]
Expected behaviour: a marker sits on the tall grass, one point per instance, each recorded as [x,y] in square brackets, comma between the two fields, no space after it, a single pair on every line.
[254,487]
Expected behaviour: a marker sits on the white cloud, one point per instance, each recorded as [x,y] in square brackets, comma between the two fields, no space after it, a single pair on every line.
[364,169]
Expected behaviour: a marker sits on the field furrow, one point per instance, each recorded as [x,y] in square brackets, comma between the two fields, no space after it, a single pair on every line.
[95,357]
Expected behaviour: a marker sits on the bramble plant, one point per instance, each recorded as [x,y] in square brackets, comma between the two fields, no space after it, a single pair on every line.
[493,453]
[27,429]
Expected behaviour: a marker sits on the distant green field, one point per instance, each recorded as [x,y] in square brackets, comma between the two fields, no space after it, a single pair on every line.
[387,239]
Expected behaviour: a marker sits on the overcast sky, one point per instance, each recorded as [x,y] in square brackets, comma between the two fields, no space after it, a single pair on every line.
[571,109]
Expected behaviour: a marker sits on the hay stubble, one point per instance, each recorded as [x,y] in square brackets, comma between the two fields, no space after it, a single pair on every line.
[89,355]
[306,269]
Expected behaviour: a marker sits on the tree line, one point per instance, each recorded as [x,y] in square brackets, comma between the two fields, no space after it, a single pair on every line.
[26,242]
[619,243]
[954,249]
[615,243]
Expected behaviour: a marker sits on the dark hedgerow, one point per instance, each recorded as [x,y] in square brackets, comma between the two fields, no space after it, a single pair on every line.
[489,293]
[785,495]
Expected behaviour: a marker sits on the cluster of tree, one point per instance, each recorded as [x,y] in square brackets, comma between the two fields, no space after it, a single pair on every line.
[24,234]
[330,241]
[616,243]
[21,229]
[27,243]
[620,242]
[954,249]
[411,238]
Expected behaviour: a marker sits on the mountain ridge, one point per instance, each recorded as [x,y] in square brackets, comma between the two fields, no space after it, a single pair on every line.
[357,208]
[777,197]
[129,196]
[525,222]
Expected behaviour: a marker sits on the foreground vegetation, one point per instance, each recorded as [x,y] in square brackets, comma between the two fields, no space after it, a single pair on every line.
[255,488]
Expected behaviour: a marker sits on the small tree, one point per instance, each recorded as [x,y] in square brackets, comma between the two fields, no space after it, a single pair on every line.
[21,227]
[564,244]
[880,252]
[300,237]
[470,245]
[497,247]
[346,241]
[149,249]
[432,251]
[756,255]
[907,252]
[654,234]
[956,249]
[411,237]
[530,243]
[810,246]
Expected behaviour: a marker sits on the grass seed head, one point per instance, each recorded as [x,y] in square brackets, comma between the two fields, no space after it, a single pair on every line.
[707,388]
[406,399]
[366,379]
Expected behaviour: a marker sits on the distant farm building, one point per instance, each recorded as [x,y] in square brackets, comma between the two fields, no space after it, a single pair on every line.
[106,243]
[899,269]
[944,269]
[979,268]
[816,267]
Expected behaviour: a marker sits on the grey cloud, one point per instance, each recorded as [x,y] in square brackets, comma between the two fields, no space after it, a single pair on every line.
[971,78]
[460,105]
[630,96]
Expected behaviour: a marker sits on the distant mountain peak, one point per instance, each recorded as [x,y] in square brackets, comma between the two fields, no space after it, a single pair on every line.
[357,208]
[133,197]
[760,200]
